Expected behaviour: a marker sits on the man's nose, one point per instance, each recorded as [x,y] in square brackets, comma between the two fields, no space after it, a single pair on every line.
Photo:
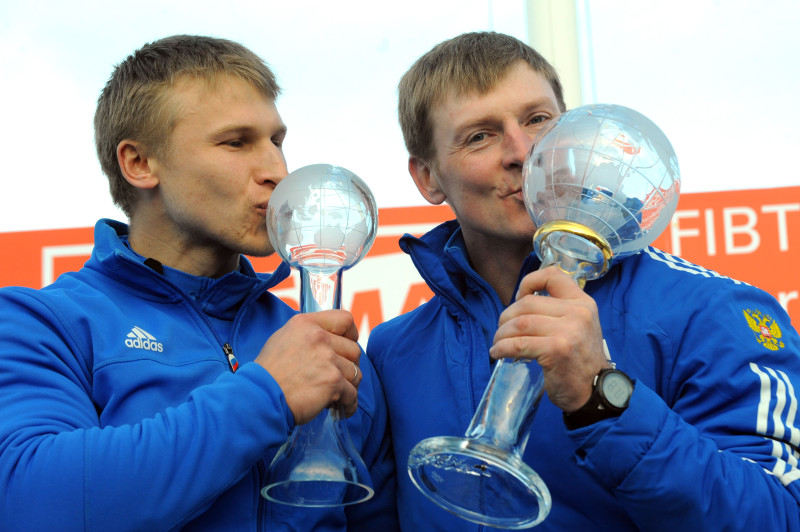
[517,143]
[273,165]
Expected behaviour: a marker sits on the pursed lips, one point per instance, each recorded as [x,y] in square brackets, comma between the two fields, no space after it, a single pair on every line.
[516,194]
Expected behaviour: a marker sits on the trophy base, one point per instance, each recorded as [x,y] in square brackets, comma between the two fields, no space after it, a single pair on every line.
[317,493]
[479,482]
[318,467]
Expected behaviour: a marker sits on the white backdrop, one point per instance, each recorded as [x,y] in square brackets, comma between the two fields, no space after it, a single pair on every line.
[719,77]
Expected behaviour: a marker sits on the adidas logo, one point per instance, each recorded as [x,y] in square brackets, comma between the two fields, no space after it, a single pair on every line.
[138,338]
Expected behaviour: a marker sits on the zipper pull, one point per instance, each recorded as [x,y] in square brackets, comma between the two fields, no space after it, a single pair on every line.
[232,362]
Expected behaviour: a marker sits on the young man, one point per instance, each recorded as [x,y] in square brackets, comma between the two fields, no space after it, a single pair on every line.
[707,438]
[151,389]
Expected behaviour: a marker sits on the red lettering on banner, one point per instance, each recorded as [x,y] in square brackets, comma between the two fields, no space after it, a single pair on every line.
[367,306]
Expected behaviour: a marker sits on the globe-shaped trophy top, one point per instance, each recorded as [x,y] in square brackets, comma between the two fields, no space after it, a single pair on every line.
[322,217]
[608,168]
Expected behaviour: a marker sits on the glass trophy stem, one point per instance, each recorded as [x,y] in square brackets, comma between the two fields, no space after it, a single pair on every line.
[319,466]
[320,289]
[508,406]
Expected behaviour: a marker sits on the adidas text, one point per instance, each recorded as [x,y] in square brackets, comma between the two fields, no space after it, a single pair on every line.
[138,338]
[144,344]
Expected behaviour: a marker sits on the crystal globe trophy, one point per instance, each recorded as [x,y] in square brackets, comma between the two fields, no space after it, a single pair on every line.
[321,219]
[600,183]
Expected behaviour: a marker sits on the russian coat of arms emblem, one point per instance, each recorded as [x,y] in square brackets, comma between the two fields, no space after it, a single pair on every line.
[765,329]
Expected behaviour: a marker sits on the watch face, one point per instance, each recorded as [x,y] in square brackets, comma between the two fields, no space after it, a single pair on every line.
[617,389]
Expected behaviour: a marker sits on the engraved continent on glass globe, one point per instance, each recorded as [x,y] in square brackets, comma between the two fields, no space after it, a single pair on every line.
[325,219]
[606,167]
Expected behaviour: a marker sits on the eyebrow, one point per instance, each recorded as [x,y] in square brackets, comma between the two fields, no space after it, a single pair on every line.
[485,120]
[243,129]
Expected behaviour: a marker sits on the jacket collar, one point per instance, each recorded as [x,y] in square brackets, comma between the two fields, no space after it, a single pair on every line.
[118,261]
[442,261]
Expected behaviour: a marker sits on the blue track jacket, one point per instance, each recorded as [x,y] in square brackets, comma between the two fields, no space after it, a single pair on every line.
[119,409]
[708,443]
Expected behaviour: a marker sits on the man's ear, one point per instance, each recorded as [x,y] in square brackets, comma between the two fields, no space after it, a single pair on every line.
[135,165]
[425,180]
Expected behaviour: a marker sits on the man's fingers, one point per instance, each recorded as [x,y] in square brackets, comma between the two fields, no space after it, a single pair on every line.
[346,348]
[338,322]
[314,359]
[347,401]
[551,280]
[348,405]
[351,371]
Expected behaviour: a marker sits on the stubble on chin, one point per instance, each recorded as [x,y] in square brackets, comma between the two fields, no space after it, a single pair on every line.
[264,251]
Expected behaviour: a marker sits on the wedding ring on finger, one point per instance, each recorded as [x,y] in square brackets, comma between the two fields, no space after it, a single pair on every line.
[355,372]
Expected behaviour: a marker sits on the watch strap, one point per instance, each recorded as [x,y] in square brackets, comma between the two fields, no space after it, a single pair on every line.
[595,409]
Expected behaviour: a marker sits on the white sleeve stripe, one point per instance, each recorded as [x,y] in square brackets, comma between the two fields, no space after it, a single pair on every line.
[791,455]
[792,414]
[763,403]
[790,477]
[679,264]
[785,452]
[780,402]
[780,465]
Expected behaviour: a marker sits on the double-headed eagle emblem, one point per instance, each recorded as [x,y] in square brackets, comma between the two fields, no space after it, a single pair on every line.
[765,329]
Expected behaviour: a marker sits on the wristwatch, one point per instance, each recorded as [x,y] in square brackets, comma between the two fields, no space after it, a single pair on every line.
[611,392]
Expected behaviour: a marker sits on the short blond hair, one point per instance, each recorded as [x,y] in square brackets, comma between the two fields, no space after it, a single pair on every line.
[136,102]
[470,63]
